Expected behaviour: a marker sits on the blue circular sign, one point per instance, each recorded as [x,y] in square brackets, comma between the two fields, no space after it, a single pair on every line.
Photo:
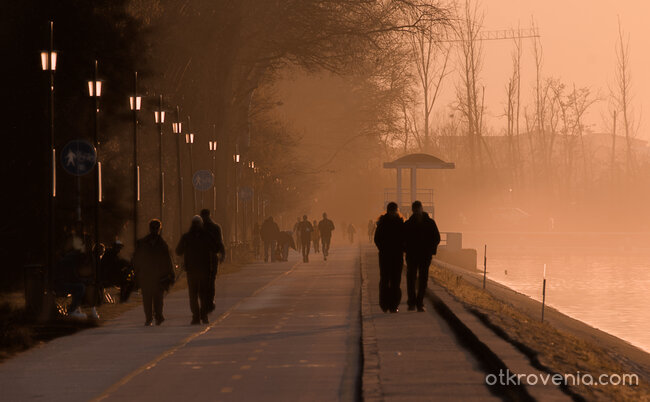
[78,157]
[203,180]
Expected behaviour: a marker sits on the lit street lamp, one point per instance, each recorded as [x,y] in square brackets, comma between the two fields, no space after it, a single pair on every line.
[189,140]
[159,116]
[177,128]
[95,92]
[48,63]
[253,199]
[236,157]
[213,151]
[135,102]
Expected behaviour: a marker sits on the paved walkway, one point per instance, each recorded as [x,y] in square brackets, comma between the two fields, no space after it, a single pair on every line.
[282,331]
[413,356]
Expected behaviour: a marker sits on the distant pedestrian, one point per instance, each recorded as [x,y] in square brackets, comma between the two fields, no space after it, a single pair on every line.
[198,247]
[117,271]
[154,271]
[269,234]
[68,281]
[215,231]
[421,239]
[305,229]
[351,232]
[325,227]
[296,231]
[371,230]
[315,237]
[256,240]
[389,239]
[285,241]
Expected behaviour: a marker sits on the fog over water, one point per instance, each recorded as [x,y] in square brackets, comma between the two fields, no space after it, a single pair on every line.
[600,279]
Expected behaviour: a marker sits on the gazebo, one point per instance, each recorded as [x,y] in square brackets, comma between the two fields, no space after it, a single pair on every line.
[414,162]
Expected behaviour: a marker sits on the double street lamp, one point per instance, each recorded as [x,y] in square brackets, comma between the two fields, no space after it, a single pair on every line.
[135,102]
[159,116]
[177,128]
[189,140]
[95,92]
[213,151]
[48,63]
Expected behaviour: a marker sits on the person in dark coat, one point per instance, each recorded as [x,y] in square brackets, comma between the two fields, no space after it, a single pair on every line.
[304,234]
[351,232]
[215,231]
[67,280]
[198,246]
[117,271]
[154,272]
[371,230]
[325,227]
[256,240]
[285,241]
[315,237]
[389,239]
[269,233]
[421,243]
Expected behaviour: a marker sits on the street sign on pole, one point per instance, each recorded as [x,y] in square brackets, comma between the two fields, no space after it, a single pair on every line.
[203,180]
[78,157]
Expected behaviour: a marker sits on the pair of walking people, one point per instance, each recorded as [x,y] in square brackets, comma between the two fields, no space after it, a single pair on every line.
[313,233]
[202,248]
[418,237]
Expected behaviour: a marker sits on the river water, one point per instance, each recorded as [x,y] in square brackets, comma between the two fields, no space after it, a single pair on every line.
[602,279]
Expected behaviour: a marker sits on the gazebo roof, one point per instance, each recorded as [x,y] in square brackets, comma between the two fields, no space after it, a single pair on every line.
[419,161]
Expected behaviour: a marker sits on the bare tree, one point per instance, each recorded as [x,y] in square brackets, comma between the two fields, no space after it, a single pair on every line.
[468,93]
[622,95]
[513,111]
[431,60]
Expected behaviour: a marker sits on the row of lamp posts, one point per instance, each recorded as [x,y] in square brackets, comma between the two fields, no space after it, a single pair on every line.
[49,63]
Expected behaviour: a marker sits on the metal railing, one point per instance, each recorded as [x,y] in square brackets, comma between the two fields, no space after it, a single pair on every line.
[425,196]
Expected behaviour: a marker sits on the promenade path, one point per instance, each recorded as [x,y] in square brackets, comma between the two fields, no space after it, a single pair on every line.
[282,332]
[414,356]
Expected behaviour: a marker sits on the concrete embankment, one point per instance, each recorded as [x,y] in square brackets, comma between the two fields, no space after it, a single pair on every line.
[552,316]
[560,345]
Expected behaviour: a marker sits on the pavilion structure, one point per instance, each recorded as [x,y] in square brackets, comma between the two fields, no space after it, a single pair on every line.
[413,162]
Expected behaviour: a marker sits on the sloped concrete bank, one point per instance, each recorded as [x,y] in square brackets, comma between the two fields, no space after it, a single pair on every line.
[560,345]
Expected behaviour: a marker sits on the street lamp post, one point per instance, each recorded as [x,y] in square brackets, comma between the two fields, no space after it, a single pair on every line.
[236,158]
[189,140]
[213,151]
[253,217]
[177,128]
[135,102]
[160,120]
[48,63]
[95,92]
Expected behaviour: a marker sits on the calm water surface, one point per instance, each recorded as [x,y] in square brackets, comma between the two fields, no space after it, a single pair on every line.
[601,279]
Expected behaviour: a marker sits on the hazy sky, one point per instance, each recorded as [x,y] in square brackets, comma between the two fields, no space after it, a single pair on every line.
[578,37]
